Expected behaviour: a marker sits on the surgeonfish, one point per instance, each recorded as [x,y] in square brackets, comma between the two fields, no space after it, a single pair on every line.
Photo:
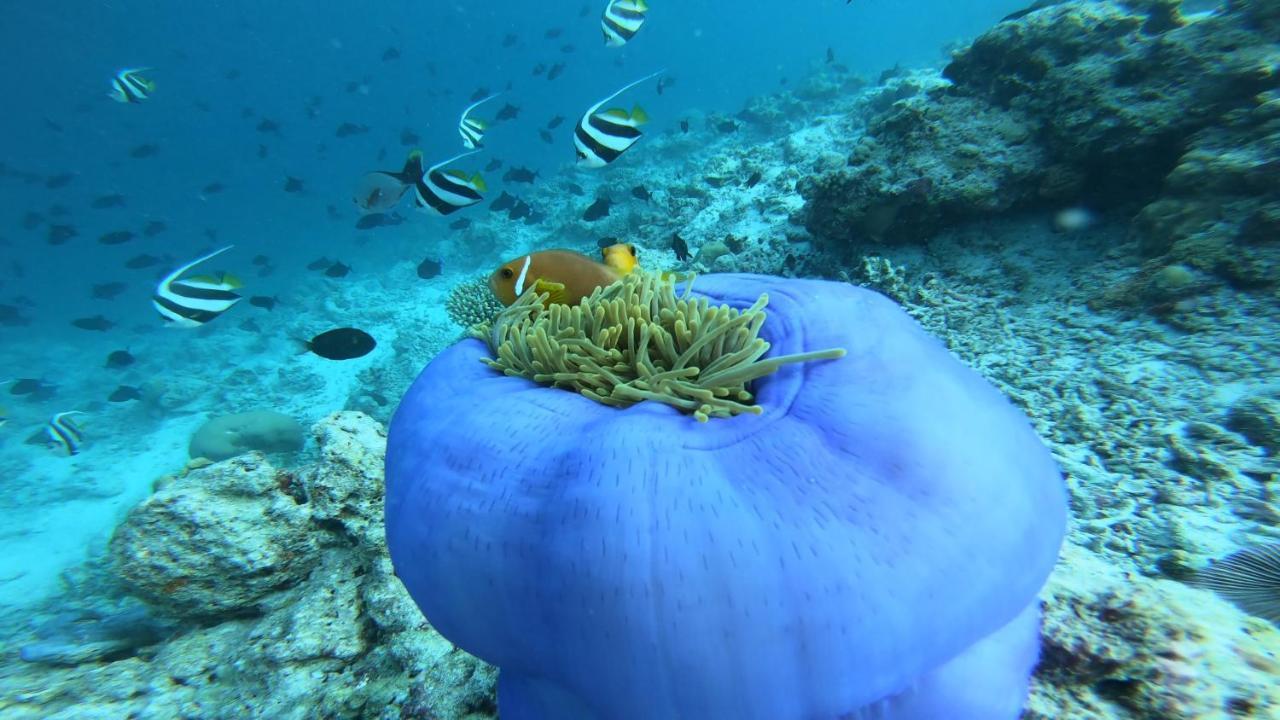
[64,433]
[380,190]
[447,191]
[567,276]
[622,257]
[622,20]
[195,301]
[128,86]
[472,129]
[600,137]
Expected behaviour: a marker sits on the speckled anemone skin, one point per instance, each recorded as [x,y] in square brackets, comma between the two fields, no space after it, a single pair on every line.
[870,546]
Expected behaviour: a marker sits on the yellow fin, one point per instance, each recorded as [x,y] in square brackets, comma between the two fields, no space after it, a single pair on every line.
[616,114]
[639,116]
[232,281]
[478,183]
[209,279]
[556,294]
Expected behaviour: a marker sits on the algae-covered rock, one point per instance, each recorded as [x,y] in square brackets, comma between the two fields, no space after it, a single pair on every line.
[346,488]
[1118,645]
[217,541]
[227,436]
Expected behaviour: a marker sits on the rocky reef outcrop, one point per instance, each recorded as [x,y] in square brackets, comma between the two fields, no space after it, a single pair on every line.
[1126,106]
[277,600]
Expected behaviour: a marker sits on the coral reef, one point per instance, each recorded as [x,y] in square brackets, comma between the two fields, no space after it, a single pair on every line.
[1114,104]
[227,436]
[471,302]
[330,632]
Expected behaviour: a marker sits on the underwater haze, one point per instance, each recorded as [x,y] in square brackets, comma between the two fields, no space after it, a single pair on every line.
[641,359]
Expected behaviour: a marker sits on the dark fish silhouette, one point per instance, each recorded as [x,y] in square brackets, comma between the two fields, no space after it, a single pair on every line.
[679,247]
[575,189]
[598,209]
[342,344]
[261,260]
[144,151]
[509,40]
[555,71]
[319,264]
[53,182]
[539,69]
[348,129]
[338,270]
[139,262]
[119,237]
[102,202]
[125,393]
[29,386]
[390,54]
[409,138]
[107,291]
[520,210]
[494,164]
[755,178]
[546,137]
[267,125]
[505,201]
[640,192]
[97,323]
[520,175]
[262,152]
[460,224]
[554,122]
[508,112]
[154,228]
[553,33]
[429,268]
[59,234]
[567,48]
[684,126]
[293,184]
[727,126]
[119,359]
[376,220]
[480,94]
[265,302]
[212,188]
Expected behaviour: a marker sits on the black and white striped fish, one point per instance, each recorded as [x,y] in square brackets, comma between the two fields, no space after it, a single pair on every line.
[195,301]
[128,86]
[447,191]
[472,129]
[600,137]
[64,434]
[622,20]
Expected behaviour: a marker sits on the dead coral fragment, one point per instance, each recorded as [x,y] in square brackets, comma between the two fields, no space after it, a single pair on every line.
[638,340]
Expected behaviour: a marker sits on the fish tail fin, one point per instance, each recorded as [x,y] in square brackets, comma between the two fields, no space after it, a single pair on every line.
[412,167]
[479,183]
[638,115]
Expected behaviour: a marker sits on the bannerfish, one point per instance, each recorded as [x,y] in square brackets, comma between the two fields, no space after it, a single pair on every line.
[193,302]
[600,137]
[64,433]
[622,257]
[342,344]
[380,190]
[622,20]
[119,359]
[566,276]
[128,86]
[472,129]
[447,191]
[124,393]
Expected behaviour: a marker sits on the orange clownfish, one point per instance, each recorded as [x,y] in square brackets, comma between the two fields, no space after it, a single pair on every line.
[566,276]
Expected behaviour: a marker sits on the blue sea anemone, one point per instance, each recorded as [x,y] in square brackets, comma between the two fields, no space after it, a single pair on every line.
[869,547]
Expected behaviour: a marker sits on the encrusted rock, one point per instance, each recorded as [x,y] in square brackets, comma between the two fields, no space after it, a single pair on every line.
[217,541]
[345,489]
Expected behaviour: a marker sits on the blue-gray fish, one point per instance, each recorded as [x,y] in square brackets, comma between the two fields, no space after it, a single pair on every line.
[600,137]
[195,301]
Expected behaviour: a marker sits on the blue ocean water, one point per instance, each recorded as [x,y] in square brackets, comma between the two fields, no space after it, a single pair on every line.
[265,117]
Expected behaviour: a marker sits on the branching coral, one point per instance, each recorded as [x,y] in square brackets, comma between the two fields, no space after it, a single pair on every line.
[471,302]
[637,340]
